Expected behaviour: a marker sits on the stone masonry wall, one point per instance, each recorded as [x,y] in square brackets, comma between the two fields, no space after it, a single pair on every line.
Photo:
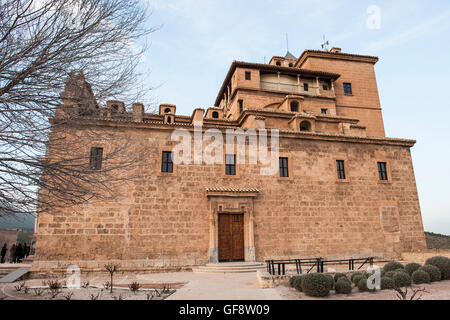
[163,219]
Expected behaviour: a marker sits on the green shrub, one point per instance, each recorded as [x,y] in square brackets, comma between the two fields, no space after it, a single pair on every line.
[420,276]
[354,275]
[411,267]
[443,264]
[292,281]
[390,274]
[433,272]
[402,279]
[297,282]
[343,286]
[402,270]
[387,283]
[392,266]
[339,275]
[358,278]
[362,285]
[330,280]
[316,285]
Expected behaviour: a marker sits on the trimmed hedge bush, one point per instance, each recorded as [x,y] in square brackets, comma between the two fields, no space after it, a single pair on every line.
[411,267]
[331,280]
[402,270]
[390,274]
[362,285]
[343,286]
[339,275]
[420,276]
[402,279]
[316,285]
[433,272]
[443,264]
[387,283]
[392,266]
[292,281]
[355,274]
[297,282]
[357,279]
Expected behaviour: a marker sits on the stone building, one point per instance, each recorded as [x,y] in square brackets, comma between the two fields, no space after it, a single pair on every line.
[343,189]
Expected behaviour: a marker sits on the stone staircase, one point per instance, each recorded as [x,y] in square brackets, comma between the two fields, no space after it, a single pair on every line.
[6,270]
[230,267]
[12,272]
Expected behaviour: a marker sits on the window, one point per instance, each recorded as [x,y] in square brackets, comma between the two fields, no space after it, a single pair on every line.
[284,171]
[294,106]
[323,111]
[114,108]
[215,114]
[95,161]
[291,65]
[278,63]
[340,169]
[230,164]
[167,162]
[169,119]
[167,110]
[305,87]
[241,105]
[305,126]
[347,88]
[248,75]
[382,172]
[325,87]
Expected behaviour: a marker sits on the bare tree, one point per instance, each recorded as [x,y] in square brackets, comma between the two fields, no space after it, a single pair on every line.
[42,142]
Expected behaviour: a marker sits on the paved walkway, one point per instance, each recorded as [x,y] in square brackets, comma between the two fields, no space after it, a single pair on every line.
[205,286]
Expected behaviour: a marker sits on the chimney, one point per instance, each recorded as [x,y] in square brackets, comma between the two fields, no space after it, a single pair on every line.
[138,112]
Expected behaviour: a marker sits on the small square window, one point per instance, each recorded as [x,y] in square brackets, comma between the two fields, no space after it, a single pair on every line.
[95,161]
[340,169]
[348,88]
[305,87]
[382,171]
[284,169]
[230,164]
[167,162]
[324,111]
[248,75]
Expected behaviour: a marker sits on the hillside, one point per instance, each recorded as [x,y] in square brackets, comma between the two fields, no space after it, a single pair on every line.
[437,241]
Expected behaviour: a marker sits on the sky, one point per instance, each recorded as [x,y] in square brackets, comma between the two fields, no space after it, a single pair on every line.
[191,52]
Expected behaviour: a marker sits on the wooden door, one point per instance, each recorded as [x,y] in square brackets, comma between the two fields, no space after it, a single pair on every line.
[231,237]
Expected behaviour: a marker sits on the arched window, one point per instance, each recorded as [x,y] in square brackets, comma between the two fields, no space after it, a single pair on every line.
[291,65]
[294,106]
[305,126]
[167,110]
[115,108]
[169,119]
[278,63]
[215,114]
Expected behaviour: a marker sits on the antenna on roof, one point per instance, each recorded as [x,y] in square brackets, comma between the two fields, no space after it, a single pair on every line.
[325,44]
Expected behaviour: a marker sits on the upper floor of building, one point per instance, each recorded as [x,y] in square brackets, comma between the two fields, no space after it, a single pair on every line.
[320,92]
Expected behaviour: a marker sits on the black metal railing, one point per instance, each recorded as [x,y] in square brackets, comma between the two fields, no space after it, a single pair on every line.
[278,267]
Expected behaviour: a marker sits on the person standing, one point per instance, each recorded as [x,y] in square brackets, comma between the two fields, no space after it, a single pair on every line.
[19,251]
[12,254]
[25,249]
[3,253]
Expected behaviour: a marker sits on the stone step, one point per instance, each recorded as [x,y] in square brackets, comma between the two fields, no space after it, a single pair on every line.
[235,265]
[230,267]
